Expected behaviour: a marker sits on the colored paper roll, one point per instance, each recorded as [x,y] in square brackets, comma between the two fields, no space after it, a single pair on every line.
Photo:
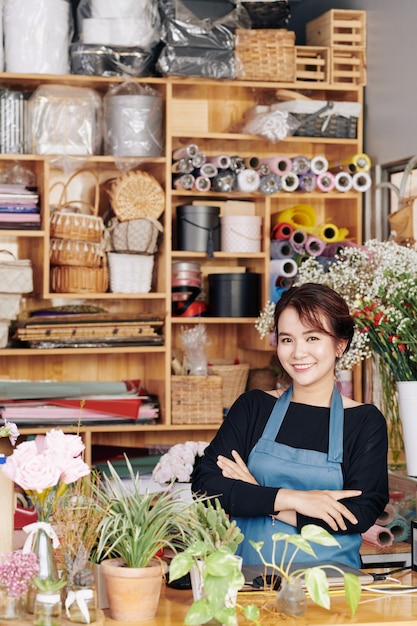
[300,165]
[290,182]
[343,181]
[300,216]
[307,182]
[314,246]
[281,249]
[188,152]
[269,184]
[378,536]
[361,181]
[285,282]
[319,164]
[284,267]
[282,230]
[400,528]
[184,181]
[280,165]
[222,161]
[199,159]
[248,181]
[209,170]
[325,181]
[298,239]
[386,516]
[361,162]
[202,183]
[329,233]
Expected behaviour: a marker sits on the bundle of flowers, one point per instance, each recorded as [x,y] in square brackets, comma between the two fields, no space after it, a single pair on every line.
[17,570]
[179,462]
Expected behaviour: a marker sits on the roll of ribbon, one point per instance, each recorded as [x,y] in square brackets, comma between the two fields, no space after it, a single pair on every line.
[319,164]
[400,528]
[183,166]
[248,181]
[361,181]
[283,267]
[202,183]
[307,182]
[225,181]
[314,246]
[281,249]
[269,184]
[359,162]
[300,165]
[325,181]
[343,181]
[298,240]
[300,216]
[386,516]
[199,159]
[329,233]
[378,536]
[209,170]
[282,230]
[185,181]
[290,182]
[222,161]
[280,165]
[187,152]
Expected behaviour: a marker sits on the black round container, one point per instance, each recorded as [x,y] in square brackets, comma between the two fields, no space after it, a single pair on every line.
[198,228]
[234,295]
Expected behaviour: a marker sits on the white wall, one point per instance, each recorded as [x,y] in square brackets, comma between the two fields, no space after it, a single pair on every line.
[391,92]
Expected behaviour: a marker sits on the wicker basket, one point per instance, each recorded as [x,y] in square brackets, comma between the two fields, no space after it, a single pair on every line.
[340,121]
[74,252]
[130,273]
[234,379]
[273,14]
[265,54]
[68,222]
[136,194]
[74,279]
[196,400]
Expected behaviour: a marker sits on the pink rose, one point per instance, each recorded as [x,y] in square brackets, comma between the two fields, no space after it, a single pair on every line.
[75,469]
[34,473]
[63,446]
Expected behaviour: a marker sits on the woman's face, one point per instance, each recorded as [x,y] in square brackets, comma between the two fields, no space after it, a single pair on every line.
[307,354]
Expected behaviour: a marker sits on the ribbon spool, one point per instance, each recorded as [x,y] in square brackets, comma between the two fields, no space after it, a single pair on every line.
[182,299]
[361,181]
[319,164]
[290,182]
[282,230]
[325,181]
[343,181]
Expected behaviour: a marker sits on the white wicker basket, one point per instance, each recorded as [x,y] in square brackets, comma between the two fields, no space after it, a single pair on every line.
[130,273]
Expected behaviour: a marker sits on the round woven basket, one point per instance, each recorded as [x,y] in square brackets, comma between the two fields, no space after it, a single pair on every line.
[74,252]
[136,194]
[73,279]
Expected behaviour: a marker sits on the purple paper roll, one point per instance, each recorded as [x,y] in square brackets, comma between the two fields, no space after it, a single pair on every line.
[314,246]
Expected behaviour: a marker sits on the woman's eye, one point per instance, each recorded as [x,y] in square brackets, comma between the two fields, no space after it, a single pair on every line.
[313,338]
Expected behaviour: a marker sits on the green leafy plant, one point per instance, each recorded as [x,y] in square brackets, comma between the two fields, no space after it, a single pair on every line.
[48,584]
[213,526]
[136,525]
[315,577]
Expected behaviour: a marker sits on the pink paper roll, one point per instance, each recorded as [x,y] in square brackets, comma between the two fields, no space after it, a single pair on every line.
[298,239]
[280,165]
[314,246]
[325,181]
[378,536]
[386,516]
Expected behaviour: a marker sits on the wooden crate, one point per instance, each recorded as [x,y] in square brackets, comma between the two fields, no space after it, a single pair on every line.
[338,28]
[196,399]
[189,116]
[312,63]
[347,66]
[265,54]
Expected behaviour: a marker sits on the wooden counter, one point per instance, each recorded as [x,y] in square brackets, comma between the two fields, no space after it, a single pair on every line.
[373,610]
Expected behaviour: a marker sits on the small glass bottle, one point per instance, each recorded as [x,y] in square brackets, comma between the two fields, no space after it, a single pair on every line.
[81,600]
[11,607]
[47,609]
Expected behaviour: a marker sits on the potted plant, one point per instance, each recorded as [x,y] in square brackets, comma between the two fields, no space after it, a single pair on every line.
[221,571]
[135,527]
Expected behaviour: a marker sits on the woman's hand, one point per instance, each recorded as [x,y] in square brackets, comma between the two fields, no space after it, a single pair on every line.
[322,505]
[236,469]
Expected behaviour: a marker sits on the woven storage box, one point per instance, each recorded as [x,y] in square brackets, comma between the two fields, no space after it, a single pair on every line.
[265,54]
[338,27]
[73,279]
[340,121]
[234,378]
[130,273]
[73,252]
[196,400]
[69,222]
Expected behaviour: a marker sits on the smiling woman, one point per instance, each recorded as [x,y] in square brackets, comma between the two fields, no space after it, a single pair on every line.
[304,455]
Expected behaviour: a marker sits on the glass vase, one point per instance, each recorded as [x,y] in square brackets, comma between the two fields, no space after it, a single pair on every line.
[81,604]
[291,598]
[47,609]
[11,607]
[42,546]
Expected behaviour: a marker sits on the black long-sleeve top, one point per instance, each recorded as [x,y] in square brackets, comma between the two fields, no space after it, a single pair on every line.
[364,464]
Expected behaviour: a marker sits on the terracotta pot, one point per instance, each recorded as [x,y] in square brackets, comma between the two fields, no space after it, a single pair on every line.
[133,593]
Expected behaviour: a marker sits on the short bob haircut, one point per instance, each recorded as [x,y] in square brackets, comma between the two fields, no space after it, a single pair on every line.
[315,303]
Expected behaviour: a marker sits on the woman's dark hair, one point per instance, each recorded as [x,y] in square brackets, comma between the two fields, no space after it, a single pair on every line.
[315,302]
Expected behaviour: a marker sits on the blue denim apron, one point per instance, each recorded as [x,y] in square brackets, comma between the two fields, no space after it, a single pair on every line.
[276,464]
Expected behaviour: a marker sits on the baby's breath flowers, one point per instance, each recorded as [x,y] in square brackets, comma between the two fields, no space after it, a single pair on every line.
[17,570]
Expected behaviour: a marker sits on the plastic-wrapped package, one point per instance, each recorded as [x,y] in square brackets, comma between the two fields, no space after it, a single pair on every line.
[199,37]
[37,35]
[65,120]
[131,23]
[96,60]
[133,121]
[13,115]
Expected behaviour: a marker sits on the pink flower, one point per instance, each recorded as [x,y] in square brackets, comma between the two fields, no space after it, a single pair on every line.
[179,462]
[63,446]
[36,473]
[10,430]
[75,469]
[17,570]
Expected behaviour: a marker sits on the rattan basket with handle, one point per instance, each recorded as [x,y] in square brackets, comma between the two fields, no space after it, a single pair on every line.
[69,221]
[75,279]
[136,194]
[74,252]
